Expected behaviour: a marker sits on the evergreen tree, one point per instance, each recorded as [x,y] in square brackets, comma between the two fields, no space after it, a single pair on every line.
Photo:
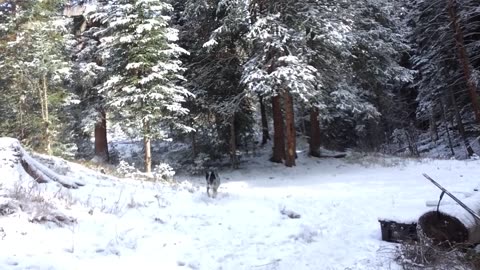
[88,76]
[35,64]
[213,32]
[142,61]
[278,65]
[444,35]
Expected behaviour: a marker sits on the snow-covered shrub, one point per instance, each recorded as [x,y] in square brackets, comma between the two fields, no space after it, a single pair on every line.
[126,169]
[163,171]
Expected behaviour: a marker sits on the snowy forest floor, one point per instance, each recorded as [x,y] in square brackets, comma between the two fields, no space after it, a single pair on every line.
[131,224]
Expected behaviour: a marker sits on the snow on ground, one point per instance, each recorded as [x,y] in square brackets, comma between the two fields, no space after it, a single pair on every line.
[130,224]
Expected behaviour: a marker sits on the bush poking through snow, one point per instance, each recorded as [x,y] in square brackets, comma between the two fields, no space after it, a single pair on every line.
[126,169]
[164,172]
[289,213]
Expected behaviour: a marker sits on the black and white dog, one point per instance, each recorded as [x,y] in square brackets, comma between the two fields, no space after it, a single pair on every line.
[213,182]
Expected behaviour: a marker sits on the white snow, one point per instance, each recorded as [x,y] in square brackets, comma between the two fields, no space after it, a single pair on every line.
[130,224]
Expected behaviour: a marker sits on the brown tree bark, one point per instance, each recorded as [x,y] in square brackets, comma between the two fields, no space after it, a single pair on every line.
[278,135]
[43,96]
[290,133]
[314,133]
[101,141]
[263,113]
[464,60]
[148,146]
[460,127]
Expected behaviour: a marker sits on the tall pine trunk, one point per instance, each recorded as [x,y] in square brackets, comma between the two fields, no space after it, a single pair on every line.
[460,127]
[263,113]
[101,142]
[147,144]
[464,60]
[290,133]
[278,135]
[314,133]
[43,95]
[447,131]
[233,143]
[433,126]
[194,144]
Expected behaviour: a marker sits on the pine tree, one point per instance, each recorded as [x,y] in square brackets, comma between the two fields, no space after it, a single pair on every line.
[142,60]
[444,35]
[278,65]
[35,63]
[222,113]
[89,113]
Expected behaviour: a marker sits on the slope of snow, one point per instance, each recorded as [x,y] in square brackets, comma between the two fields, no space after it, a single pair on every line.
[128,224]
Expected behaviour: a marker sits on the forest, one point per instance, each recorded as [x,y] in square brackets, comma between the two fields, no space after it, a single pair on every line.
[220,78]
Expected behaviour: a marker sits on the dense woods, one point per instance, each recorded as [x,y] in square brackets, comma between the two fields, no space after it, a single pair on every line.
[227,77]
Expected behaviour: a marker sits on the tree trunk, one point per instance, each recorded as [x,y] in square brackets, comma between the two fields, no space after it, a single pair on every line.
[460,127]
[314,133]
[101,142]
[263,113]
[444,114]
[278,136]
[290,133]
[233,143]
[433,126]
[43,95]
[21,108]
[464,60]
[194,144]
[148,147]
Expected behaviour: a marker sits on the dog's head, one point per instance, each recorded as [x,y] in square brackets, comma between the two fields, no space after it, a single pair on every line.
[210,176]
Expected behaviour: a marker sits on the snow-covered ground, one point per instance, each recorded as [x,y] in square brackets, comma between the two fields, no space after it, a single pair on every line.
[130,224]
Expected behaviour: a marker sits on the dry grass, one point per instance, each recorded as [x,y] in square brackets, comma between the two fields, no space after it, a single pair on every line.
[31,199]
[419,255]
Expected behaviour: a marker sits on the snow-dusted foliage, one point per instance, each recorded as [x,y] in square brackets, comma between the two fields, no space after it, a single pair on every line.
[342,57]
[446,38]
[279,59]
[139,51]
[213,33]
[33,68]
[125,169]
[163,171]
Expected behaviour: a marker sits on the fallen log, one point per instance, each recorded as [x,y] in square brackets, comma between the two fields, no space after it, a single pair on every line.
[453,223]
[38,171]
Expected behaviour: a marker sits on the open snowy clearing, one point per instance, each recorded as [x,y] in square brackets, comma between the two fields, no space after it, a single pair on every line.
[129,224]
